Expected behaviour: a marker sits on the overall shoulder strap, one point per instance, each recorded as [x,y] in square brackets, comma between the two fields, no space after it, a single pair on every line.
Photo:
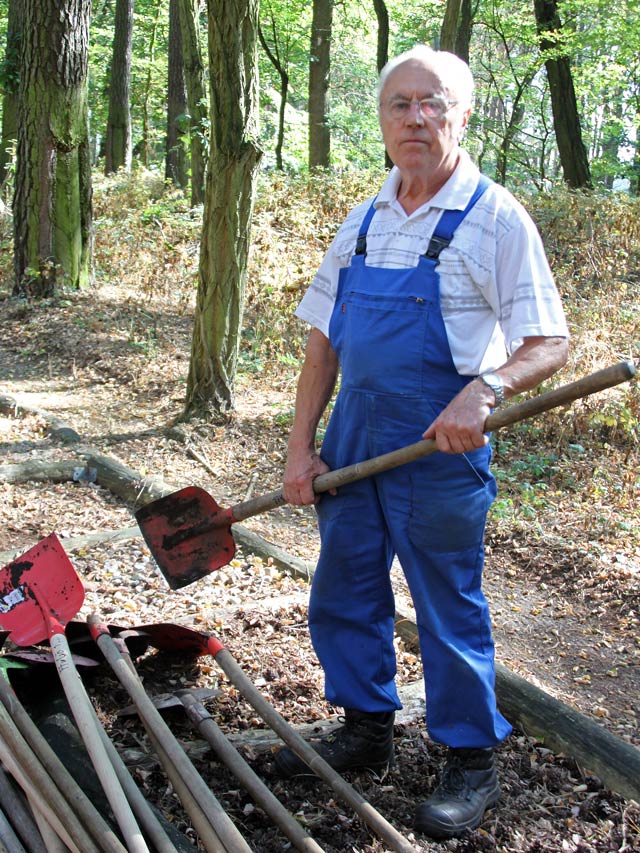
[450,220]
[361,242]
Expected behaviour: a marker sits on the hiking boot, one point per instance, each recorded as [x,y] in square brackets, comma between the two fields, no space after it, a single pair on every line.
[364,741]
[469,785]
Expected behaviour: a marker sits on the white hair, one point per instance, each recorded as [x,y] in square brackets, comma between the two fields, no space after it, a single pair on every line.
[454,71]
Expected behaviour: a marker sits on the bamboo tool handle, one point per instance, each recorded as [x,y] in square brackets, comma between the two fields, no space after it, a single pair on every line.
[22,815]
[562,396]
[229,755]
[369,815]
[25,767]
[207,834]
[8,838]
[139,805]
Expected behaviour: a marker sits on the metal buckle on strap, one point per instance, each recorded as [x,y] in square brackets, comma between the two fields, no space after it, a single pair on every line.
[436,245]
[361,244]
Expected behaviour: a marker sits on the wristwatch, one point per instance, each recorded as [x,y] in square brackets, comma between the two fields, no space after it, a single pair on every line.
[493,381]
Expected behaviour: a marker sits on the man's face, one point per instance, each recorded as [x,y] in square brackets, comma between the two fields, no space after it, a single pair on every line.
[421,139]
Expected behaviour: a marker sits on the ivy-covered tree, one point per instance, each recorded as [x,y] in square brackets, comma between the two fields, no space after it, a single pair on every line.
[52,199]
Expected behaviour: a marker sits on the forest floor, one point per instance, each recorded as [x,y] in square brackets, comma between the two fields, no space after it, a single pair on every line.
[562,577]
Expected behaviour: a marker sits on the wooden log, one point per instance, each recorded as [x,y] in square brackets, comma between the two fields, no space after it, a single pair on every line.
[33,471]
[124,482]
[57,428]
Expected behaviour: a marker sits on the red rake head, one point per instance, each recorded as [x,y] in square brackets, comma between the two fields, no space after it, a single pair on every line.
[188,535]
[43,574]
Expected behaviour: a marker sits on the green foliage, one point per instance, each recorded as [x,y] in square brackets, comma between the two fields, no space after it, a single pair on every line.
[511,131]
[289,240]
[10,66]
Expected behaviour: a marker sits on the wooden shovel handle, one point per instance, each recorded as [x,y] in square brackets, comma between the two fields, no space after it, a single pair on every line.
[562,396]
[87,723]
[219,820]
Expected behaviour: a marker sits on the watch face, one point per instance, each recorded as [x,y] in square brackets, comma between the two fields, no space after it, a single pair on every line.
[495,383]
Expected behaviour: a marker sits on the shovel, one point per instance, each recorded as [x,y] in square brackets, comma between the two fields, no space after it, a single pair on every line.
[190,536]
[39,592]
[171,637]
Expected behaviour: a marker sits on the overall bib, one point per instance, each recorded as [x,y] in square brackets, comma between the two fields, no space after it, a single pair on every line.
[397,376]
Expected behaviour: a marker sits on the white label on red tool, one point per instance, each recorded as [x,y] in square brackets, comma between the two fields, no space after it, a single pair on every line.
[12,599]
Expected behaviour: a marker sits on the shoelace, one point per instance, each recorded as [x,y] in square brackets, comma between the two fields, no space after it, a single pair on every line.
[454,780]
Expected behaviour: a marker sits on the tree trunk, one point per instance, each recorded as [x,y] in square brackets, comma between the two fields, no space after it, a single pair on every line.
[513,125]
[612,135]
[382,50]
[573,156]
[449,28]
[463,36]
[231,178]
[455,33]
[634,179]
[382,42]
[11,75]
[52,200]
[274,58]
[118,136]
[319,68]
[143,146]
[176,155]
[196,98]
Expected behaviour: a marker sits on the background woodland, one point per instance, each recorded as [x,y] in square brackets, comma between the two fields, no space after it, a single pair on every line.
[172,173]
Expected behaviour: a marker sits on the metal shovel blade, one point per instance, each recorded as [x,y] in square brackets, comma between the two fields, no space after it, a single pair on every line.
[47,570]
[170,529]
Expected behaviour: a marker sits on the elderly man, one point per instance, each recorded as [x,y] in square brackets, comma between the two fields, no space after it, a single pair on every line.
[436,303]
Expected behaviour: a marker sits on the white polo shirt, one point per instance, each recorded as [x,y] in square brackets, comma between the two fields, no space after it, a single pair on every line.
[496,287]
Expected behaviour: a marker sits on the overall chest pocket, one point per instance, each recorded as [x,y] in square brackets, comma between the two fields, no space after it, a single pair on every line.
[380,341]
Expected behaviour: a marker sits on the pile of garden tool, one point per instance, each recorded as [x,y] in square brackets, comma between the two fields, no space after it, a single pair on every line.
[43,808]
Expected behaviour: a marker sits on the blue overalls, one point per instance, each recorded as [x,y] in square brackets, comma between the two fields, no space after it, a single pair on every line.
[397,375]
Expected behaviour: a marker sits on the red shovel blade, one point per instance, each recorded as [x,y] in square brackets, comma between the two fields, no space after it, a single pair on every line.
[47,570]
[184,536]
[172,637]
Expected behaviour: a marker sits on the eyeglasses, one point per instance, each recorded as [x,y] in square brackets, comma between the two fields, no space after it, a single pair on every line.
[434,107]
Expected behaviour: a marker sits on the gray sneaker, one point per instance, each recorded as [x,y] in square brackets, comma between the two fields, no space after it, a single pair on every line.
[364,741]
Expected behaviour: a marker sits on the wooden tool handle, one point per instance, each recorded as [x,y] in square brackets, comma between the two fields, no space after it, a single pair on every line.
[562,396]
[87,726]
[180,762]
